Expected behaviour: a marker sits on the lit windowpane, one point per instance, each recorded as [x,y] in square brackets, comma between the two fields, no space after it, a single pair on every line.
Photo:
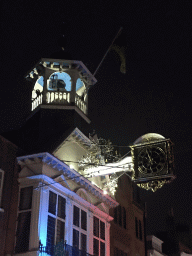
[102,249]
[75,238]
[61,207]
[76,216]
[95,247]
[52,202]
[83,220]
[96,226]
[23,232]
[83,242]
[60,231]
[102,230]
[25,198]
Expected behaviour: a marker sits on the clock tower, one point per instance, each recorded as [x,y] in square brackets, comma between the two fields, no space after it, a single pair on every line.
[59,103]
[61,84]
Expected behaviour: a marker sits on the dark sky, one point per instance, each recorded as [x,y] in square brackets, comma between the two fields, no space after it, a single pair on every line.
[153,96]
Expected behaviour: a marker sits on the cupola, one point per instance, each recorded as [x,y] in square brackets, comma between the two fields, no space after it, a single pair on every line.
[60,82]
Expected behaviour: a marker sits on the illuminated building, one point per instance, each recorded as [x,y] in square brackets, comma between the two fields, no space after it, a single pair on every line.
[57,200]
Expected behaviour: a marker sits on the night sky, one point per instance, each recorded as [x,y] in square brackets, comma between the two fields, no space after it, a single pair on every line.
[153,96]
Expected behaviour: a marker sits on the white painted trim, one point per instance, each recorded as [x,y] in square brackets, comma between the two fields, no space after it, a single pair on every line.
[83,138]
[66,192]
[45,156]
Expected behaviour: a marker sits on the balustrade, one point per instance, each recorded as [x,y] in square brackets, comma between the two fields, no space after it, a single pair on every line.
[68,251]
[58,97]
[80,103]
[36,102]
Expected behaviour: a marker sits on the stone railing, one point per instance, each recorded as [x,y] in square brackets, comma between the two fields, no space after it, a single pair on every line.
[80,103]
[36,102]
[58,97]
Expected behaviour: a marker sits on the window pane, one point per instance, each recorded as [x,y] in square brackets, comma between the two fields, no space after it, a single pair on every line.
[102,249]
[1,174]
[140,230]
[75,216]
[136,227]
[102,230]
[25,198]
[52,202]
[124,218]
[83,242]
[120,215]
[83,220]
[75,238]
[96,226]
[50,233]
[61,207]
[23,231]
[115,215]
[95,247]
[60,235]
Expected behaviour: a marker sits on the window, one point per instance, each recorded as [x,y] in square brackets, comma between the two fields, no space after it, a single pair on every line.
[98,237]
[24,219]
[56,220]
[120,216]
[79,229]
[138,229]
[1,184]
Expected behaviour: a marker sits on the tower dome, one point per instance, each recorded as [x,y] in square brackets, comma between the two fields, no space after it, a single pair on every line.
[149,137]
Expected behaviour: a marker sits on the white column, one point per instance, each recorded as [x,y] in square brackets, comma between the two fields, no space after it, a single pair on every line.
[107,238]
[69,222]
[43,214]
[34,236]
[90,233]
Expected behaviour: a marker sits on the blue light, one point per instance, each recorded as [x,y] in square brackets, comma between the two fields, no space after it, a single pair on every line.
[65,77]
[79,84]
[41,81]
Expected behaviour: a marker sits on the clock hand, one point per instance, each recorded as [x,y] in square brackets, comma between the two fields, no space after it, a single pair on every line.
[150,159]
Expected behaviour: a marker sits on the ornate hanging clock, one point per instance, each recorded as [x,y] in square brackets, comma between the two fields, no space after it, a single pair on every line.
[153,161]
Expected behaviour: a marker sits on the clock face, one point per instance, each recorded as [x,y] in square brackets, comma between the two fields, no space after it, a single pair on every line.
[151,160]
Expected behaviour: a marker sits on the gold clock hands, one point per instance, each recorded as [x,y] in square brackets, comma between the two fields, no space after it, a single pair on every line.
[150,159]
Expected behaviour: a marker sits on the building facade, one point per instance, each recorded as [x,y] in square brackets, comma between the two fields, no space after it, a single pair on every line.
[60,205]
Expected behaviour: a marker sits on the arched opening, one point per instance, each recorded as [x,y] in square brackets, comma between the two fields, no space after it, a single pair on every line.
[59,81]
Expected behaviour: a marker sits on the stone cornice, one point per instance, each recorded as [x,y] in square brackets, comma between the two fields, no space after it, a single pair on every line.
[69,173]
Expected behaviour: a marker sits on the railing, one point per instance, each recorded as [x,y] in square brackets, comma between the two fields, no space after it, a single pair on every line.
[67,250]
[36,102]
[58,97]
[80,103]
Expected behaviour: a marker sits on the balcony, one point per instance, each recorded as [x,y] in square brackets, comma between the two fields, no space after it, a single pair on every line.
[59,98]
[61,249]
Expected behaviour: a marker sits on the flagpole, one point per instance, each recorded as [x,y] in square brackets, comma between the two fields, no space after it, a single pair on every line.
[107,51]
